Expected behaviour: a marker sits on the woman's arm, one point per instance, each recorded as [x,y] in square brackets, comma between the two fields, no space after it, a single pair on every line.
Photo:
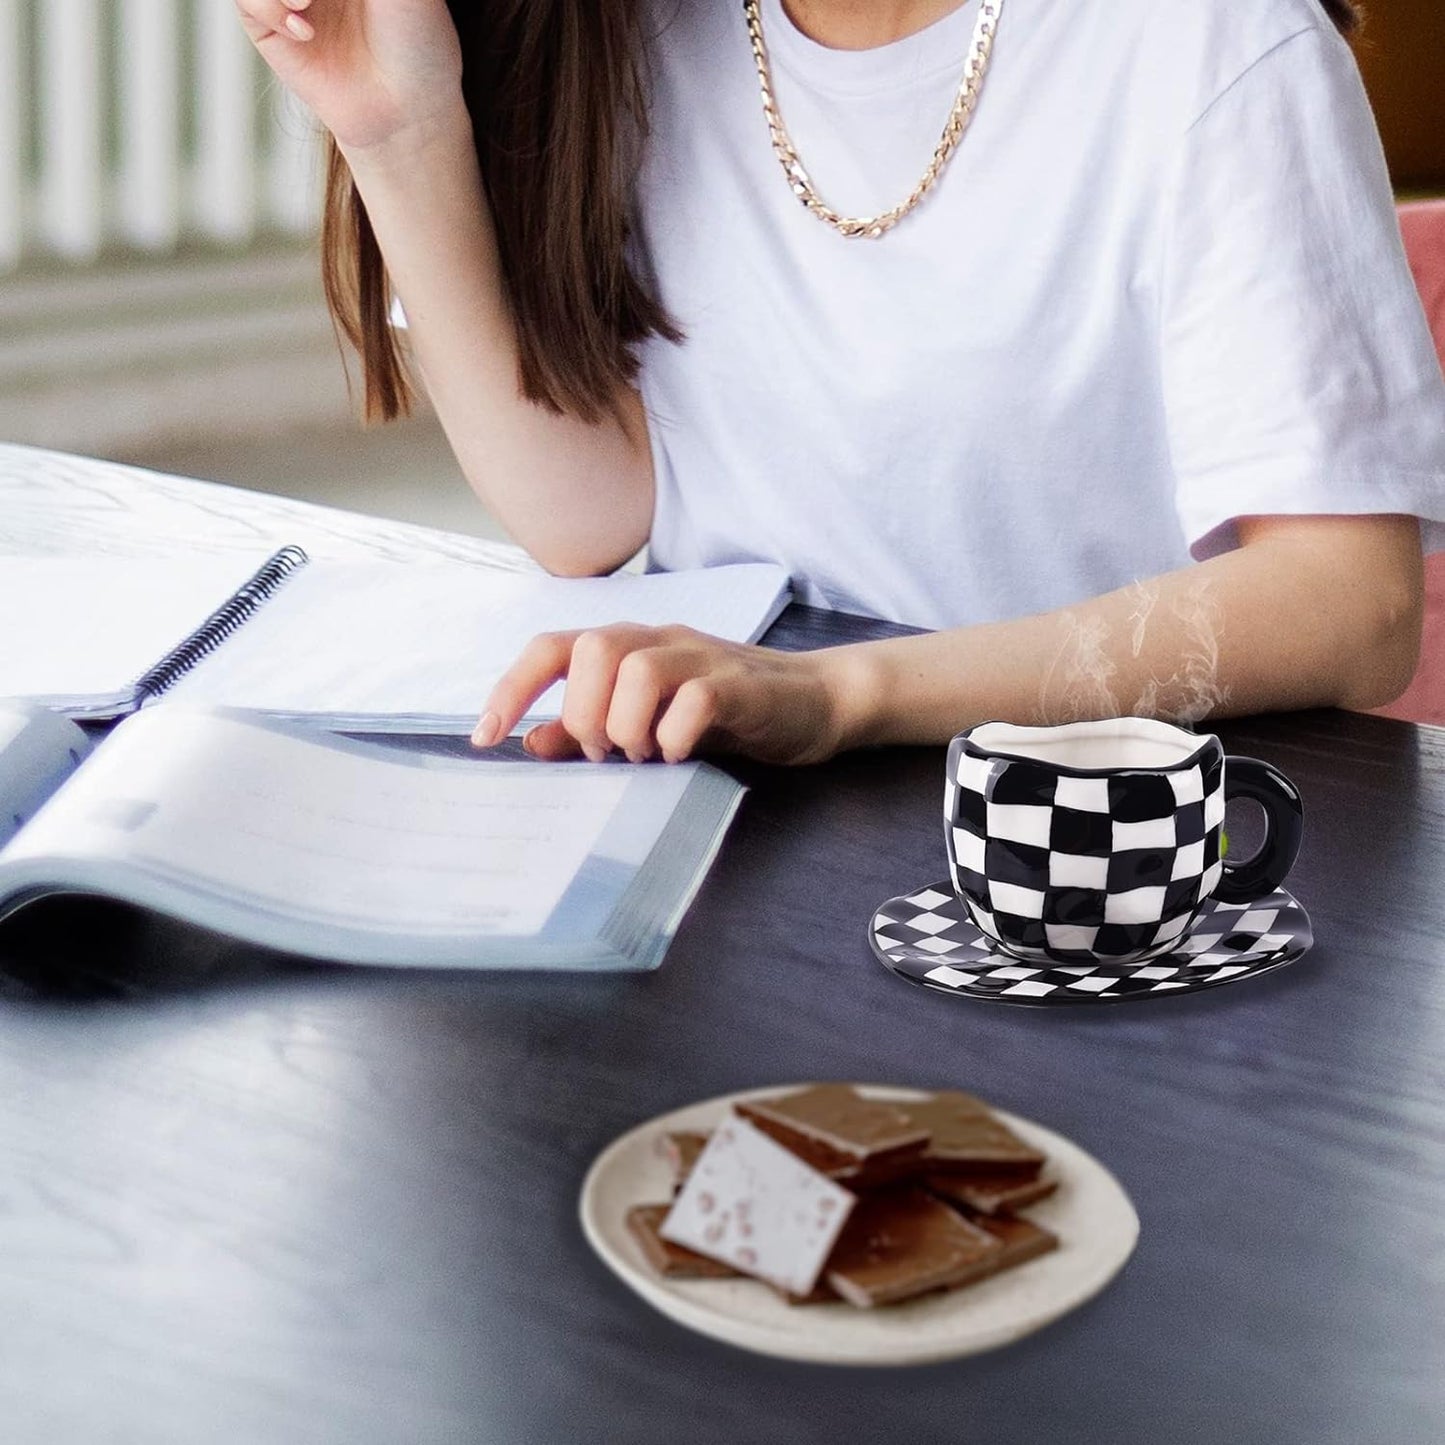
[385,78]
[1307,612]
[578,497]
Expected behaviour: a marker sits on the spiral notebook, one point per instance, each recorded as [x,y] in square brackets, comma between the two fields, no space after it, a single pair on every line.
[357,851]
[360,647]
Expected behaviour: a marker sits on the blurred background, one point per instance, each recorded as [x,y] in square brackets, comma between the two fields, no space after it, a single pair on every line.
[159,300]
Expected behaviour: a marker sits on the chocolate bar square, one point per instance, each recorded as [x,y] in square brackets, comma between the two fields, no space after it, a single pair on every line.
[990,1193]
[681,1151]
[673,1260]
[839,1132]
[753,1204]
[898,1246]
[965,1137]
[1020,1240]
[901,1243]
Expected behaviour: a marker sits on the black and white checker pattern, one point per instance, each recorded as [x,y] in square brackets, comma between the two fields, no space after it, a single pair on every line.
[1067,867]
[927,938]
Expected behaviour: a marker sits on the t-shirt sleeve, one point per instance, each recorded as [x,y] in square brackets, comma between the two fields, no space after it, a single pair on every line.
[1298,371]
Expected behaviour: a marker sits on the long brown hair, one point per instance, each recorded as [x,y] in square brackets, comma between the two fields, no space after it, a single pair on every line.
[1344,13]
[556,90]
[557,95]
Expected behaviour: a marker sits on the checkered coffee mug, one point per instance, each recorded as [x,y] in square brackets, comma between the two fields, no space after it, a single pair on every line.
[1100,840]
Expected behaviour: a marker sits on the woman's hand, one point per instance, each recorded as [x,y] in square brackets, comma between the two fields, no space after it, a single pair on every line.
[367,69]
[670,692]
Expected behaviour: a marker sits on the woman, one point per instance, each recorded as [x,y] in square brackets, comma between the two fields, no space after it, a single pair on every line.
[1122,386]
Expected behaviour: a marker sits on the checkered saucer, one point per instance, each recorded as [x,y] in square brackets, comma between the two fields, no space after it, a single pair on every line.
[926,938]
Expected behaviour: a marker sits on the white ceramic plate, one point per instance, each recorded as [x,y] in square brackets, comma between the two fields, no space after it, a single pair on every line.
[1090,1212]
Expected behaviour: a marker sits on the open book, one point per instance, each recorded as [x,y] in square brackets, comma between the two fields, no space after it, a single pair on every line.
[360,647]
[355,851]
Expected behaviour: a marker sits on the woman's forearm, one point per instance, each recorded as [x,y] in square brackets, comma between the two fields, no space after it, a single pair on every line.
[578,497]
[1310,612]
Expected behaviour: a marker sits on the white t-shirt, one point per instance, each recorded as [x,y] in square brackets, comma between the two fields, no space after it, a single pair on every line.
[1159,286]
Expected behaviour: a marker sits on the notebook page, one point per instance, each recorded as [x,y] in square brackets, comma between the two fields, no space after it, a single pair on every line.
[389,642]
[307,830]
[81,631]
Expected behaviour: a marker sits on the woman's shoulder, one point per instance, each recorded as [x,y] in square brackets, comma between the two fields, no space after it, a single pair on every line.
[1206,46]
[1215,39]
[1170,59]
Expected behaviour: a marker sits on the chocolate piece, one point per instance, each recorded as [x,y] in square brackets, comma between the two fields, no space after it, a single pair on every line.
[896,1247]
[1020,1240]
[964,1136]
[668,1258]
[839,1132]
[903,1242]
[822,1294]
[681,1152]
[991,1193]
[752,1204]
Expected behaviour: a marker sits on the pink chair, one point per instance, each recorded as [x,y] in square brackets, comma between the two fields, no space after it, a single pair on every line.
[1422,223]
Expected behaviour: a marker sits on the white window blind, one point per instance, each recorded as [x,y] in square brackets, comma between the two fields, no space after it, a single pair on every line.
[140,125]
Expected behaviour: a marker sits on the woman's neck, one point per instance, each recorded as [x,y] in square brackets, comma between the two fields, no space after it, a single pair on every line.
[864,24]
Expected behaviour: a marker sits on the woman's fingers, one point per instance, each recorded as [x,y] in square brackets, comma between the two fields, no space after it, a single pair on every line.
[541,662]
[296,25]
[276,17]
[551,742]
[693,712]
[688,715]
[642,683]
[619,679]
[671,692]
[646,683]
[588,660]
[593,677]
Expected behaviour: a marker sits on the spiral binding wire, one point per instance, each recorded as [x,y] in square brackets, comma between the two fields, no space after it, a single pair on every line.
[221,623]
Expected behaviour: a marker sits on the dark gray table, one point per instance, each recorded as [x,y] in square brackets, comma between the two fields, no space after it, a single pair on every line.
[245,1199]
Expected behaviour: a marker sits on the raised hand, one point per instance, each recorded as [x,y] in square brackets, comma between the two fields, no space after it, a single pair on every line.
[369,70]
[671,692]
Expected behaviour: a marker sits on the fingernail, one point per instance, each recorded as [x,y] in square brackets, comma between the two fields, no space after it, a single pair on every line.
[296,4]
[593,752]
[299,28]
[485,732]
[527,744]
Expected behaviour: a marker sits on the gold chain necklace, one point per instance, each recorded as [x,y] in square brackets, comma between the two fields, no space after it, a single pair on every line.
[799,182]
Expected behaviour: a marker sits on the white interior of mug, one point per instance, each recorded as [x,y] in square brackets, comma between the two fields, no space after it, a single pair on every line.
[1129,742]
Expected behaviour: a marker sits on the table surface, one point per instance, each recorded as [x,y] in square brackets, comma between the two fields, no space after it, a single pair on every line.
[246,1198]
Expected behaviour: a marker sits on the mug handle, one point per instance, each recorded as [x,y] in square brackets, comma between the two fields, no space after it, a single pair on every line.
[1284,826]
